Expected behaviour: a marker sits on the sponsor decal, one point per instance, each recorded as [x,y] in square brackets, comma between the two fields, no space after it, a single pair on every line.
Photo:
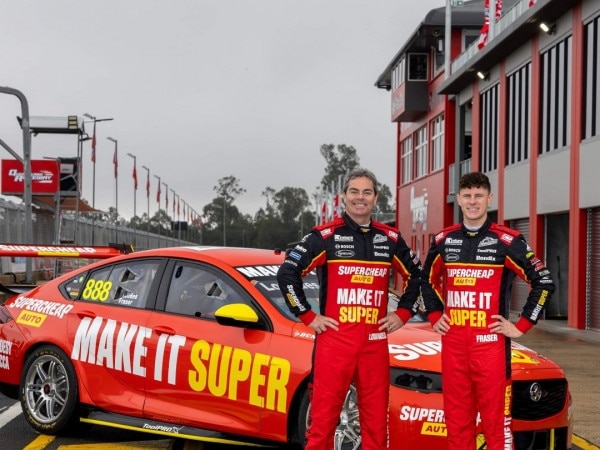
[468,317]
[5,351]
[464,281]
[31,318]
[452,250]
[475,273]
[540,305]
[221,370]
[468,299]
[338,246]
[377,336]
[487,241]
[410,352]
[508,436]
[487,250]
[366,297]
[485,258]
[345,253]
[163,428]
[326,232]
[300,248]
[438,236]
[392,234]
[293,299]
[520,357]
[304,335]
[258,271]
[433,419]
[295,255]
[362,270]
[362,279]
[338,238]
[378,238]
[452,257]
[41,306]
[382,255]
[506,238]
[452,241]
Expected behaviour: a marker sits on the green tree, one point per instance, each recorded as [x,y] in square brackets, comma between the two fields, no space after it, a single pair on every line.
[340,160]
[221,214]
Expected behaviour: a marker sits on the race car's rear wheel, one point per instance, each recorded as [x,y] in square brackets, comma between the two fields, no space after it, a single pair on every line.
[49,391]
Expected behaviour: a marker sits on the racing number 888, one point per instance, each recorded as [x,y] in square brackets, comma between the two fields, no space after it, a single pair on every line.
[96,290]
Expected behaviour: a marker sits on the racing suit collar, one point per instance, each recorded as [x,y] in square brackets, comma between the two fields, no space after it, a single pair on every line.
[483,228]
[356,227]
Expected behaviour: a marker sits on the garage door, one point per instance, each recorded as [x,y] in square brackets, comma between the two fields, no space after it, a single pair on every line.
[520,289]
[593,310]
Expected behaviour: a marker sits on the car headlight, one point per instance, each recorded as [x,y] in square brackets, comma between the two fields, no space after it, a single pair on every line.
[416,380]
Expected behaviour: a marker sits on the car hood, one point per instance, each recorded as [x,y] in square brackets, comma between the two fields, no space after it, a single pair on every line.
[417,346]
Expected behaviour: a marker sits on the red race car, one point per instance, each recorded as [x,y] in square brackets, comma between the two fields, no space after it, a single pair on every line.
[197,343]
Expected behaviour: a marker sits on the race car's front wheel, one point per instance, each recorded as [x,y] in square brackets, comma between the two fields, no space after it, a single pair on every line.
[49,390]
[347,432]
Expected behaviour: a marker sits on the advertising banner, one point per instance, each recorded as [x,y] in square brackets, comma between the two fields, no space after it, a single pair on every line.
[44,177]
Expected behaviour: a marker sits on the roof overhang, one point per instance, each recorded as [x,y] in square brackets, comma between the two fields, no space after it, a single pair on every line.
[522,30]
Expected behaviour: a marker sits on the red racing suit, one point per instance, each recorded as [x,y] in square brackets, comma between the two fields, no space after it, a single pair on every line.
[471,274]
[353,265]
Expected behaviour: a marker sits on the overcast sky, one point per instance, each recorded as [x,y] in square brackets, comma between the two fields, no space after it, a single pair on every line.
[200,90]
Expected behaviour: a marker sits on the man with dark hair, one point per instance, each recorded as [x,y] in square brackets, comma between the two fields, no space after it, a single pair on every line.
[354,256]
[471,267]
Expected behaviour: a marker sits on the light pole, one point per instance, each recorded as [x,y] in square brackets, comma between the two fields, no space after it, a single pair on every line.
[89,116]
[176,221]
[166,207]
[135,186]
[148,199]
[116,166]
[158,201]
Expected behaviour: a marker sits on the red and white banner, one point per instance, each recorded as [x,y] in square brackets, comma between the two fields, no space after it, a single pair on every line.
[486,25]
[45,178]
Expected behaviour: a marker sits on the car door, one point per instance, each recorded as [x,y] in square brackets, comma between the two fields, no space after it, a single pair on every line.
[211,376]
[108,335]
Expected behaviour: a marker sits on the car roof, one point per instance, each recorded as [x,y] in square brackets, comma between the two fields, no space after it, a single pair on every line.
[233,256]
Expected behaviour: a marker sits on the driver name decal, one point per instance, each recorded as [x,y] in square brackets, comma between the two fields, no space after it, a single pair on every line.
[5,349]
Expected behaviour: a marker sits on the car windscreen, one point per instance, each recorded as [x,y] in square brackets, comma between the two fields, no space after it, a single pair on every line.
[264,279]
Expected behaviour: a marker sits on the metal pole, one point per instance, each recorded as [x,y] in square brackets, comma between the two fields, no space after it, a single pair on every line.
[27,173]
[166,207]
[148,200]
[158,201]
[89,116]
[447,37]
[116,165]
[134,197]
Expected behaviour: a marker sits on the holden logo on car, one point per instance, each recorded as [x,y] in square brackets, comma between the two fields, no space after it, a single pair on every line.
[535,392]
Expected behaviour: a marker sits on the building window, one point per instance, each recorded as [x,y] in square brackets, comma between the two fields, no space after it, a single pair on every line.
[591,87]
[556,96]
[489,129]
[417,67]
[437,143]
[421,152]
[406,160]
[518,113]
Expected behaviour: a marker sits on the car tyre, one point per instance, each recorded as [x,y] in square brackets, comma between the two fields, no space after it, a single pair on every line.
[49,392]
[347,432]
